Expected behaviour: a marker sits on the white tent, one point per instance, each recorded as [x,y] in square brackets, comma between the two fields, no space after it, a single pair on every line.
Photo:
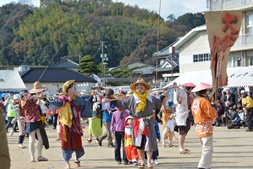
[237,77]
[10,81]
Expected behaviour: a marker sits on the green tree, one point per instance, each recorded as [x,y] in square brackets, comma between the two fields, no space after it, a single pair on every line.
[87,65]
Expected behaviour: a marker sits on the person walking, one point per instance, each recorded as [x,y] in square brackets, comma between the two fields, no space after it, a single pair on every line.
[130,149]
[204,114]
[141,105]
[108,110]
[33,119]
[71,132]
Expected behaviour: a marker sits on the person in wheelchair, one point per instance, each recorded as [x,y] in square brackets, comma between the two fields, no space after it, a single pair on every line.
[233,119]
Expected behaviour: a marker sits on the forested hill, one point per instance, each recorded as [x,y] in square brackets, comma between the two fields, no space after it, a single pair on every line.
[33,36]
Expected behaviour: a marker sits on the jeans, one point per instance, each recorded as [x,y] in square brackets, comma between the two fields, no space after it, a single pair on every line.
[9,124]
[119,138]
[55,117]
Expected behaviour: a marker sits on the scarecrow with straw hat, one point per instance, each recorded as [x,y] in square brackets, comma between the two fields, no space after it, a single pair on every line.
[141,105]
[33,119]
[204,114]
[71,132]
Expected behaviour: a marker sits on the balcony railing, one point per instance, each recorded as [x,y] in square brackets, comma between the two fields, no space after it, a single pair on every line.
[244,40]
[215,5]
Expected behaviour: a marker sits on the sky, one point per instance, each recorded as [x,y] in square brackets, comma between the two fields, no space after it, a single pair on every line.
[176,7]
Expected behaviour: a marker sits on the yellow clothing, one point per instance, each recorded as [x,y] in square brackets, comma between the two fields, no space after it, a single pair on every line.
[66,115]
[204,115]
[248,102]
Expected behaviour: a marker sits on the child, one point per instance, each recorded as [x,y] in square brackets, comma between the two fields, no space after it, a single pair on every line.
[130,149]
[117,130]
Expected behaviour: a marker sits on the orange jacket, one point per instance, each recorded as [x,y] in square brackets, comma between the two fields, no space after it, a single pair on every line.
[204,115]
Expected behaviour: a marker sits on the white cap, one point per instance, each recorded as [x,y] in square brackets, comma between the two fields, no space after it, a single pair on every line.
[16,97]
[243,91]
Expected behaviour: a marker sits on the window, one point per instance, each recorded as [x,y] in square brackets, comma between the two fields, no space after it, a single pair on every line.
[195,58]
[250,60]
[249,23]
[201,57]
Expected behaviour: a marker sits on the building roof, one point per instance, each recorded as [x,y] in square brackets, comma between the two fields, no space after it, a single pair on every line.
[237,77]
[132,65]
[167,50]
[52,74]
[10,81]
[65,63]
[188,36]
[145,70]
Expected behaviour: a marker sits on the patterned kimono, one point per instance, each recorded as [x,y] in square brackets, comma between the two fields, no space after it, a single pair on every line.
[143,118]
[70,126]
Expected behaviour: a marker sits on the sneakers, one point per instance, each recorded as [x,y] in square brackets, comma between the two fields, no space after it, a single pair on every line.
[155,162]
[249,130]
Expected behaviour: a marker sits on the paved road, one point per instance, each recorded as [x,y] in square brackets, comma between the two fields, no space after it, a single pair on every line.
[232,149]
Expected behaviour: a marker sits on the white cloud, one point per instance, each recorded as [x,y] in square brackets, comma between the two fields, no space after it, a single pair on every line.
[176,7]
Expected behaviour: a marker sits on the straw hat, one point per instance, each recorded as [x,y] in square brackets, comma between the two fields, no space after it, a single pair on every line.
[201,86]
[37,88]
[66,86]
[97,86]
[140,81]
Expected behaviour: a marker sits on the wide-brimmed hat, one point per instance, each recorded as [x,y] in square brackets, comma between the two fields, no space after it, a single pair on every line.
[201,86]
[140,81]
[66,86]
[97,86]
[37,87]
[189,84]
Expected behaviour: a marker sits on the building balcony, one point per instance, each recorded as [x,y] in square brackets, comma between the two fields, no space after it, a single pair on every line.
[215,5]
[244,41]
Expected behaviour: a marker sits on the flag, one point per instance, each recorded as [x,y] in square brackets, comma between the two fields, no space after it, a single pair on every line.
[96,78]
[223,28]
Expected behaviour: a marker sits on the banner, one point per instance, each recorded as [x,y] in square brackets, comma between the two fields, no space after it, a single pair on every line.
[223,28]
[96,78]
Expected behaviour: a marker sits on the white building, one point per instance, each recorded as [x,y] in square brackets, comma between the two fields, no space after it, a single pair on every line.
[194,51]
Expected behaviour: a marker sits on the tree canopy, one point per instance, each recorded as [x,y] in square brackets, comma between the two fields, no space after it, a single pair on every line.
[35,36]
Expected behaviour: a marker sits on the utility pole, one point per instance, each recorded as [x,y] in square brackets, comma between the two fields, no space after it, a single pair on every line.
[104,58]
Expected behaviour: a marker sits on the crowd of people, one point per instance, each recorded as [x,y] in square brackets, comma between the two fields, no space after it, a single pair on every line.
[129,119]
